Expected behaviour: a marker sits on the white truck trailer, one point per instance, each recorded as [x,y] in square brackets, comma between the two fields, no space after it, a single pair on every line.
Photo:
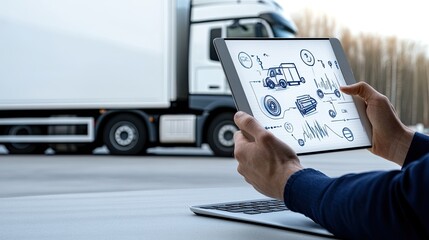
[79,74]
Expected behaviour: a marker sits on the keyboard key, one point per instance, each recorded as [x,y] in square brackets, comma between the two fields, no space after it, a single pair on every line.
[251,207]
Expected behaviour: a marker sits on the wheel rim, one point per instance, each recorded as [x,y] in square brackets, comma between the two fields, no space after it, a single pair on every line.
[272,105]
[20,130]
[271,84]
[226,135]
[124,135]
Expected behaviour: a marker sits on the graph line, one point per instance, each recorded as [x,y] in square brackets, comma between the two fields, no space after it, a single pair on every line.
[317,131]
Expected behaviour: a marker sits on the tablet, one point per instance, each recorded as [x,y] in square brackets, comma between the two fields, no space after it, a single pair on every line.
[291,86]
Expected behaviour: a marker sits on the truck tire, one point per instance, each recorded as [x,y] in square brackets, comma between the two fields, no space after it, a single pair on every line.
[24,148]
[270,83]
[125,134]
[282,83]
[221,135]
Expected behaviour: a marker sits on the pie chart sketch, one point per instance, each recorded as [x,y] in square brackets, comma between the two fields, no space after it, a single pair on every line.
[245,60]
[307,57]
[348,134]
[289,127]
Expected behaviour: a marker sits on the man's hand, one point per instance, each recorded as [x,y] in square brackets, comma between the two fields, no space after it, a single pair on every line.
[264,161]
[390,138]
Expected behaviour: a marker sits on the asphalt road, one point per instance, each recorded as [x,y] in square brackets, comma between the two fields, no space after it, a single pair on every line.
[58,174]
[162,169]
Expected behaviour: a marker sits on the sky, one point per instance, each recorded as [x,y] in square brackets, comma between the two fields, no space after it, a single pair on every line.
[404,19]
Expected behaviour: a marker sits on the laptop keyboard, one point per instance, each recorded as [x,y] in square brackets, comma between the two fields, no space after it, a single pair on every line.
[250,207]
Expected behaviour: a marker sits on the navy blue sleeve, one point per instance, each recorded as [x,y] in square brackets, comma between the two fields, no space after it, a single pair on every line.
[418,148]
[382,204]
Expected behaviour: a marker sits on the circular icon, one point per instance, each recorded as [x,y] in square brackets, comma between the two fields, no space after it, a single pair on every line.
[301,142]
[289,127]
[307,57]
[245,60]
[320,93]
[332,113]
[271,105]
[337,93]
[347,133]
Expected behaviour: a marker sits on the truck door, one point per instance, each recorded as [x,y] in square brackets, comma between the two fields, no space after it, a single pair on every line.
[206,74]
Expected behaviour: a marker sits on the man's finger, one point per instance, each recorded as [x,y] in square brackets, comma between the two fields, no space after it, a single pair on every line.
[239,138]
[241,145]
[360,89]
[248,125]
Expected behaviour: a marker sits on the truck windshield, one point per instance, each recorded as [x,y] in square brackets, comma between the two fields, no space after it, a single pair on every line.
[281,27]
[281,32]
[246,30]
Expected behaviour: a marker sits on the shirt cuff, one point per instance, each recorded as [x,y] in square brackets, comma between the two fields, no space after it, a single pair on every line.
[419,147]
[304,189]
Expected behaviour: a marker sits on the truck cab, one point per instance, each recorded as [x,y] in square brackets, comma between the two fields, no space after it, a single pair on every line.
[212,19]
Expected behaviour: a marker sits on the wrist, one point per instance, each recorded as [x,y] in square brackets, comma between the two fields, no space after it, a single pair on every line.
[403,143]
[290,169]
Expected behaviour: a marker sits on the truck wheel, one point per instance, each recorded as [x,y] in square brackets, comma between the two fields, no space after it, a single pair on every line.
[270,83]
[125,135]
[282,83]
[221,135]
[24,148]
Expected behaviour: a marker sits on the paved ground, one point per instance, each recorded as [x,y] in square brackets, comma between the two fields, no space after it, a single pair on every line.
[53,174]
[163,169]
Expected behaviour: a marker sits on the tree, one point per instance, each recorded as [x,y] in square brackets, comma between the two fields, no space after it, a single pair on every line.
[395,67]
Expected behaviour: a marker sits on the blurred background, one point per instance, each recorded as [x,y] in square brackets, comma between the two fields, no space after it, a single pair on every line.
[386,43]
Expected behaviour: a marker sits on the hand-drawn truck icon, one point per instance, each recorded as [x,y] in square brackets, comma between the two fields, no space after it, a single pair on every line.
[283,75]
[306,104]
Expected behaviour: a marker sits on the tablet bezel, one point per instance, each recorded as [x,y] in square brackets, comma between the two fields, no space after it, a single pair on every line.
[242,103]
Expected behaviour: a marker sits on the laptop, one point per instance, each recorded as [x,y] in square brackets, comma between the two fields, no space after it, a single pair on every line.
[292,87]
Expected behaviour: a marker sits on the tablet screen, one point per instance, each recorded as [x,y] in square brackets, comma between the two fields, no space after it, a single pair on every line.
[292,88]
